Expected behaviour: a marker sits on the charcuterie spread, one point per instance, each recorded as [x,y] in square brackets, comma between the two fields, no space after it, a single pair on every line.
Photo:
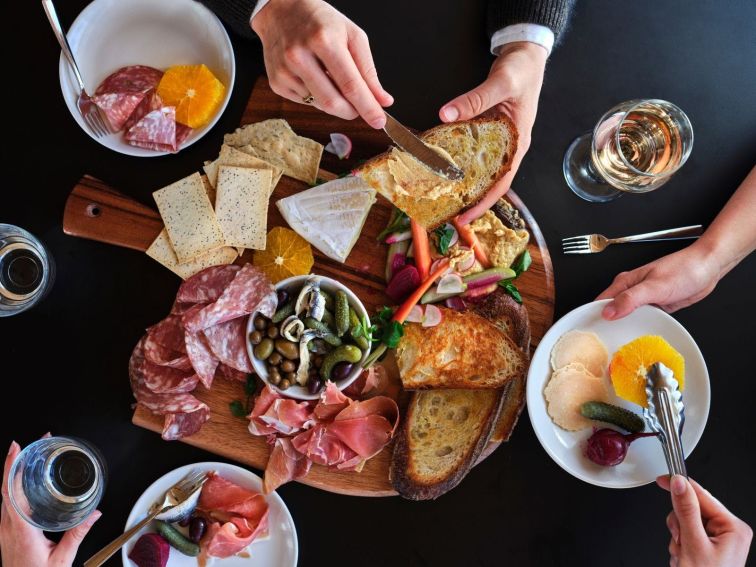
[157,110]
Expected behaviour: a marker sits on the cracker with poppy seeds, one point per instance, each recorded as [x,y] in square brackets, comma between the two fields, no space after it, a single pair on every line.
[231,156]
[242,205]
[162,251]
[189,218]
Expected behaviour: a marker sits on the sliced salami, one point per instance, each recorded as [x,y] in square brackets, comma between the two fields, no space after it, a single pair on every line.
[166,380]
[203,359]
[155,131]
[206,286]
[150,101]
[131,79]
[118,107]
[229,345]
[158,354]
[179,425]
[249,291]
[231,373]
[168,333]
[182,133]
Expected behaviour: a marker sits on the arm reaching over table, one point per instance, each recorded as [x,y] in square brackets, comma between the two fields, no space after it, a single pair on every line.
[687,276]
[523,33]
[22,544]
[704,532]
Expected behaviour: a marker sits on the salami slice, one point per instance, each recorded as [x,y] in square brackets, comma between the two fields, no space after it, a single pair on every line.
[179,425]
[131,79]
[161,356]
[166,380]
[231,373]
[229,344]
[155,131]
[249,291]
[206,286]
[168,333]
[203,359]
[150,101]
[118,107]
[182,133]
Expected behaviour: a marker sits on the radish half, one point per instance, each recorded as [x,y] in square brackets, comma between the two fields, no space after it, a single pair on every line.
[415,315]
[340,145]
[451,283]
[433,316]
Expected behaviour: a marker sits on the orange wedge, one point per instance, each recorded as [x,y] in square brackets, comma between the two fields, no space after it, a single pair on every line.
[194,91]
[630,363]
[286,254]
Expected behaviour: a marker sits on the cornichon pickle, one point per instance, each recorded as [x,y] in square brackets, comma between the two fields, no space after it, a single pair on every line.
[344,353]
[357,336]
[329,301]
[283,312]
[177,539]
[328,335]
[328,318]
[608,413]
[342,313]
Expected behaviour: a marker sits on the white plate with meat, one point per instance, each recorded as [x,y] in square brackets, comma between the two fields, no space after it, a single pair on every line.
[644,460]
[111,34]
[275,545]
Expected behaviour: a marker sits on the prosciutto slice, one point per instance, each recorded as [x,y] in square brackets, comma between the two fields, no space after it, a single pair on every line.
[285,464]
[236,516]
[274,414]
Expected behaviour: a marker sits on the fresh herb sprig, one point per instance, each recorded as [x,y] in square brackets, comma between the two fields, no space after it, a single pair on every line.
[242,409]
[385,332]
[444,235]
[399,222]
[520,265]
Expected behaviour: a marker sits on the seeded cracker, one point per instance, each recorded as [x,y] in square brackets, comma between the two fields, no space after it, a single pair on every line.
[209,189]
[162,251]
[242,205]
[232,156]
[275,142]
[189,218]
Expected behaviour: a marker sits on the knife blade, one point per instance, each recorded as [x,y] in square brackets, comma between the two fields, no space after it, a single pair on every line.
[414,146]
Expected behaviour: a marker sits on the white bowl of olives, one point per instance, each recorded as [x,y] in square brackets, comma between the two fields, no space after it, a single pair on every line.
[319,333]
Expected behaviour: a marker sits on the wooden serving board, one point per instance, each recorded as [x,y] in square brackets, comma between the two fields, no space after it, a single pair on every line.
[96,211]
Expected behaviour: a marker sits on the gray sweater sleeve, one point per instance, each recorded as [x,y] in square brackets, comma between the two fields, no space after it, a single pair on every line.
[235,14]
[553,14]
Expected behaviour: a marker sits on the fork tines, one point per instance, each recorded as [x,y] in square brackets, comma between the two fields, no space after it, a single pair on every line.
[191,481]
[577,244]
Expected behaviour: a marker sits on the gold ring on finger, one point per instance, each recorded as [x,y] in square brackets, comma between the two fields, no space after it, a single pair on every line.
[309,99]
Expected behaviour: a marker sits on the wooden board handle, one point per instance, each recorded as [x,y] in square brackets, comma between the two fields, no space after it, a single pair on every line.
[97,212]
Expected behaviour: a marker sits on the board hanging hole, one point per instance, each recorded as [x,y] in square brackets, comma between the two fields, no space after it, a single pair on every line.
[93,210]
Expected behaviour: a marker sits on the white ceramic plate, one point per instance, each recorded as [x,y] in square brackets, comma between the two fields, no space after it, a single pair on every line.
[110,34]
[280,548]
[645,460]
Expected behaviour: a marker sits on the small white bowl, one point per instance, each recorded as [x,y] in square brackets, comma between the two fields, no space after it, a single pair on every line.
[293,286]
[110,34]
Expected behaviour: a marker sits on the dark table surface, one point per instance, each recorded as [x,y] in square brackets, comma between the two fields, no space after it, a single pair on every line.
[64,363]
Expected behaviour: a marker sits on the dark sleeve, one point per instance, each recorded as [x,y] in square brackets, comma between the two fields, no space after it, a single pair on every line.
[235,14]
[553,14]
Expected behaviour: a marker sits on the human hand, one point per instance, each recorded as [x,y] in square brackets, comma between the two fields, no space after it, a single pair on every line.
[22,544]
[704,532]
[512,88]
[310,48]
[671,282]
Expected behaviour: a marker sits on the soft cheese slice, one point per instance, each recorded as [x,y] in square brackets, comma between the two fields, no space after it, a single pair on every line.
[330,216]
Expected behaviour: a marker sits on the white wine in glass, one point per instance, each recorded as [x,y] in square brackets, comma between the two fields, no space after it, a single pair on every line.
[635,148]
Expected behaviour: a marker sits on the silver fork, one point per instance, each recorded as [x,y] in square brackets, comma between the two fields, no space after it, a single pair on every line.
[177,494]
[592,243]
[92,114]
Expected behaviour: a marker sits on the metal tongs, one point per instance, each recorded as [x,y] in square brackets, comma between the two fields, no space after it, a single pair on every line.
[665,415]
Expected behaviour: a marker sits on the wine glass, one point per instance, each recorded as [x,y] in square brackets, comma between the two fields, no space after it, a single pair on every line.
[635,148]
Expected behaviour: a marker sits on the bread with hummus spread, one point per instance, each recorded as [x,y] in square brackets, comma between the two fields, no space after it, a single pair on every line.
[483,148]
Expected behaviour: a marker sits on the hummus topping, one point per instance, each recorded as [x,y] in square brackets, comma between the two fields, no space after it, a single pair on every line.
[501,244]
[412,178]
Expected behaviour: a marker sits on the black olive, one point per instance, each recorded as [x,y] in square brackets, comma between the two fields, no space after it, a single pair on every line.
[183,522]
[314,384]
[197,528]
[283,296]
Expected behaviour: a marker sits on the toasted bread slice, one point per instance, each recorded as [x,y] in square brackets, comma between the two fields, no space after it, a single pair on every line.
[464,351]
[444,432]
[483,148]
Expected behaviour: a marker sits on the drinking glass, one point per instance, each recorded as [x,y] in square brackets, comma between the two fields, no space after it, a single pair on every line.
[635,148]
[56,482]
[27,271]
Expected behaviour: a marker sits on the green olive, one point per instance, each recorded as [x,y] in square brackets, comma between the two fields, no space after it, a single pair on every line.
[273,332]
[260,323]
[344,353]
[290,377]
[284,384]
[275,359]
[264,349]
[255,337]
[274,376]
[288,349]
[288,366]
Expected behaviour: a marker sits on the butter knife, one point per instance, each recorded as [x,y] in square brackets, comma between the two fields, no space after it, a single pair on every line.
[665,415]
[414,146]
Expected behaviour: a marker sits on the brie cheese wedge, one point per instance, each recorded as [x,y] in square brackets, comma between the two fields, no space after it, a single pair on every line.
[330,216]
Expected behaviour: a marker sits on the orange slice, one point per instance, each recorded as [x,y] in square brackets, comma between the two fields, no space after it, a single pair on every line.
[630,364]
[194,91]
[286,254]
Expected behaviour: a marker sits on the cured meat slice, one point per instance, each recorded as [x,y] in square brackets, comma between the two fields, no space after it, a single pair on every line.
[118,107]
[236,516]
[155,131]
[168,333]
[150,101]
[167,380]
[182,133]
[206,286]
[228,342]
[231,373]
[179,425]
[322,447]
[249,291]
[285,464]
[162,356]
[131,79]
[203,360]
